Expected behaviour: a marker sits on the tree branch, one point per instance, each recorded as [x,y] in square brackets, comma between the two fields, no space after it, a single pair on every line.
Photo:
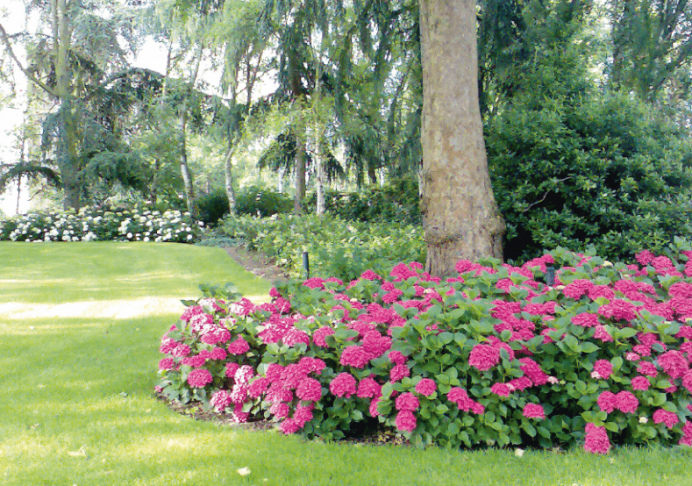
[35,80]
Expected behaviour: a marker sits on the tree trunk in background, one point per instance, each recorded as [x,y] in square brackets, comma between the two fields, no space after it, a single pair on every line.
[300,178]
[228,180]
[460,216]
[319,180]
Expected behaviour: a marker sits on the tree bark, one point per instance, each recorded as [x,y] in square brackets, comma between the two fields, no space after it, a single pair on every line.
[228,175]
[460,215]
[300,177]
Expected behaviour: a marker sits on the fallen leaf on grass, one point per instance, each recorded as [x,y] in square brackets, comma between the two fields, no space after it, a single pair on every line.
[80,453]
[518,452]
[244,471]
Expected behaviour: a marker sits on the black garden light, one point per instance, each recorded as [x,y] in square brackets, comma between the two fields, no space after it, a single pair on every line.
[306,264]
[550,275]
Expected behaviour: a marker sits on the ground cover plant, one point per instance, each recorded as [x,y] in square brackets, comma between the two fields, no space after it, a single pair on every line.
[138,223]
[337,248]
[496,355]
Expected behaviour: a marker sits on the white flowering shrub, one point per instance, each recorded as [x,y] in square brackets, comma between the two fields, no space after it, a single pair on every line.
[98,224]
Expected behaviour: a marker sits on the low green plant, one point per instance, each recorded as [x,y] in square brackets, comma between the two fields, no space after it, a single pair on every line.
[336,248]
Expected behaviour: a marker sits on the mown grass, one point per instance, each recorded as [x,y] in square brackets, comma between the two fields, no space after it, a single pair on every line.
[76,406]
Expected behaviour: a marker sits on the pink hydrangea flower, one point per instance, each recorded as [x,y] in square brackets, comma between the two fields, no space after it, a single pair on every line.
[644,257]
[244,374]
[398,372]
[376,344]
[181,351]
[295,336]
[220,400]
[397,358]
[312,365]
[309,390]
[290,426]
[501,389]
[258,387]
[355,356]
[407,401]
[618,309]
[274,372]
[280,410]
[302,415]
[674,363]
[194,361]
[405,421]
[369,388]
[585,319]
[533,371]
[239,346]
[647,368]
[668,418]
[426,387]
[604,368]
[231,368]
[607,401]
[533,410]
[640,383]
[343,385]
[318,337]
[483,357]
[199,378]
[596,441]
[217,354]
[602,334]
[627,402]
[477,408]
[166,364]
[577,288]
[687,381]
[373,407]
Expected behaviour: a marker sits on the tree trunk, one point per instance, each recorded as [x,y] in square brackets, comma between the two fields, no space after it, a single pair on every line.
[460,216]
[228,174]
[300,178]
[319,179]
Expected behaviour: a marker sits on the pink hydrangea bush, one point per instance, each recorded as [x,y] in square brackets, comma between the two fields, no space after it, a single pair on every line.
[492,355]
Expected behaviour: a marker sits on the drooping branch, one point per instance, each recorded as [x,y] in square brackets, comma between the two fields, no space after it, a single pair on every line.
[32,78]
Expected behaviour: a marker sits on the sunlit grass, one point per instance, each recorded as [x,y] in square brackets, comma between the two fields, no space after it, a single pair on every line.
[76,404]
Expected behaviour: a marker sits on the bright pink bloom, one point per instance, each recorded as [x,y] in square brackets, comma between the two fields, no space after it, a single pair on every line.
[258,387]
[280,410]
[642,350]
[318,337]
[533,371]
[194,361]
[687,380]
[302,415]
[398,372]
[309,390]
[166,364]
[619,310]
[369,388]
[668,418]
[484,357]
[274,372]
[534,410]
[199,378]
[391,297]
[217,354]
[632,357]
[640,383]
[376,344]
[373,407]
[607,401]
[239,393]
[407,401]
[181,351]
[239,346]
[585,319]
[295,336]
[405,421]
[647,368]
[220,400]
[231,368]
[604,368]
[293,375]
[500,389]
[355,356]
[314,283]
[477,408]
[426,387]
[312,365]
[602,334]
[520,384]
[674,363]
[370,275]
[627,402]
[290,426]
[577,288]
[597,441]
[343,385]
[644,257]
[244,374]
[601,291]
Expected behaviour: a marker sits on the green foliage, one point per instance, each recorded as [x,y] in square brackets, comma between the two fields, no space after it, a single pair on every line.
[212,206]
[337,248]
[588,169]
[262,202]
[396,202]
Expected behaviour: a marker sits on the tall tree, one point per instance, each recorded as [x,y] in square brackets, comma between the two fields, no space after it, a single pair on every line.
[460,216]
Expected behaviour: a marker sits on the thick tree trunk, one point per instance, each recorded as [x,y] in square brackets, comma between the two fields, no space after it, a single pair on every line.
[460,216]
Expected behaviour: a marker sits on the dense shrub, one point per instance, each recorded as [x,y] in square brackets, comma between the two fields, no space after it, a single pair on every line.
[336,247]
[213,206]
[99,224]
[493,356]
[397,201]
[585,168]
[262,202]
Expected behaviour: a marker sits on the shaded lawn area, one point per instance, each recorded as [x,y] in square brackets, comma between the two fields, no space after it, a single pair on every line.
[76,404]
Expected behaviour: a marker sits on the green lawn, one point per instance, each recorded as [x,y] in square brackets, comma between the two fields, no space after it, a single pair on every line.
[80,325]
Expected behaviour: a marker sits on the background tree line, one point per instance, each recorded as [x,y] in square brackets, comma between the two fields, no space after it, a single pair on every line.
[585,108]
